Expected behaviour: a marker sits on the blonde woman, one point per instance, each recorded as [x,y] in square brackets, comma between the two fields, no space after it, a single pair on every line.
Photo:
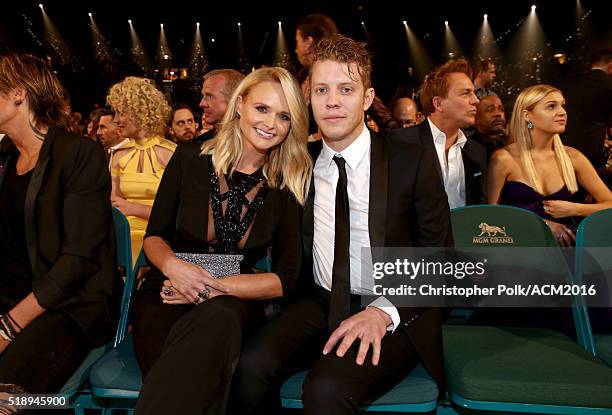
[537,172]
[142,111]
[241,193]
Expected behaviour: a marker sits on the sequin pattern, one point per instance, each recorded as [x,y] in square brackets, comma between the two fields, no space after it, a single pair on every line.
[229,227]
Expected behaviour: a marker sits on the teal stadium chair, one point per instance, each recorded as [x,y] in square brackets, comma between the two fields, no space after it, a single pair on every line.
[115,378]
[77,388]
[593,255]
[493,369]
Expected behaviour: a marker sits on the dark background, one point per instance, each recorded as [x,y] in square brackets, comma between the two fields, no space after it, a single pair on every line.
[87,76]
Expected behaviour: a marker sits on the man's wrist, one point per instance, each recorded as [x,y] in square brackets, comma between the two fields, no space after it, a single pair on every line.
[385,316]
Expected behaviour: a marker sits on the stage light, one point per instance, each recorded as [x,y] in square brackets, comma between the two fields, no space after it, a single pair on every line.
[40,5]
[484,43]
[281,53]
[239,24]
[417,52]
[162,25]
[405,22]
[533,8]
[197,58]
[279,22]
[212,40]
[130,21]
[90,14]
[446,22]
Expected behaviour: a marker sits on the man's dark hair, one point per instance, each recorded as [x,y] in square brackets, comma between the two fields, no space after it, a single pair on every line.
[106,111]
[601,56]
[317,26]
[182,106]
[483,66]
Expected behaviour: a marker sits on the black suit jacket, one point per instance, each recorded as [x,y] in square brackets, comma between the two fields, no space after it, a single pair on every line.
[589,114]
[474,160]
[405,210]
[69,231]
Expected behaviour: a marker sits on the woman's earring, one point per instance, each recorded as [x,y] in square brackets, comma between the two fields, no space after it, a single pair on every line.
[529,125]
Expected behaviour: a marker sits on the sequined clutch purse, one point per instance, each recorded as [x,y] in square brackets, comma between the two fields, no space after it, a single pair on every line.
[219,265]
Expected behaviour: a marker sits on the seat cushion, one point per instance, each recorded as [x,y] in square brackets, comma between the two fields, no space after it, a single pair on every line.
[81,375]
[417,387]
[118,370]
[604,347]
[523,365]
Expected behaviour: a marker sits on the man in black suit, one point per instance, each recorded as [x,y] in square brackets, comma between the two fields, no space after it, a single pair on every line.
[449,101]
[367,190]
[589,108]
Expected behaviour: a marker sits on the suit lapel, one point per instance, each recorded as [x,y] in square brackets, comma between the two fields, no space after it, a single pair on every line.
[32,193]
[379,185]
[427,141]
[470,168]
[308,218]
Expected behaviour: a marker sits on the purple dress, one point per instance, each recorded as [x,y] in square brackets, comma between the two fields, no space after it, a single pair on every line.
[524,196]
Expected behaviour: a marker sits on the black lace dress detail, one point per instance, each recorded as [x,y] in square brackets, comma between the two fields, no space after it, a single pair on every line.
[230,228]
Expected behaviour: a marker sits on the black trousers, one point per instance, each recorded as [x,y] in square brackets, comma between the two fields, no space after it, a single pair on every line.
[293,341]
[152,321]
[193,375]
[45,354]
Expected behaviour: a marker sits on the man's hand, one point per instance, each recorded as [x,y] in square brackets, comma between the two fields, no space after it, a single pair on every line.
[369,325]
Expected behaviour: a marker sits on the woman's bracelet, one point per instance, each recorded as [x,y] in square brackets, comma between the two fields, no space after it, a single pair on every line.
[7,327]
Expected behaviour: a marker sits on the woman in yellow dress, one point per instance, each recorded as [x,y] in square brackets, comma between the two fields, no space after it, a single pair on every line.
[142,111]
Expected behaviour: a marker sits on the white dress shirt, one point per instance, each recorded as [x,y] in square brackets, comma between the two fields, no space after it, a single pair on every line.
[453,173]
[357,157]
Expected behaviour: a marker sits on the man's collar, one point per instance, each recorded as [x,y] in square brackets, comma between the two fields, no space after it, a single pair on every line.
[440,138]
[120,144]
[353,154]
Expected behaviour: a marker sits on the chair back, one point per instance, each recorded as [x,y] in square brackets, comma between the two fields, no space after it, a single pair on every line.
[594,253]
[485,226]
[124,260]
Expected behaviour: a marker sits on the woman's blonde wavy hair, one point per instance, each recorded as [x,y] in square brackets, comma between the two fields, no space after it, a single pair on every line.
[518,130]
[139,99]
[288,165]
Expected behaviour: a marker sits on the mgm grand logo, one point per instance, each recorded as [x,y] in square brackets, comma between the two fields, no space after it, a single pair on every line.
[490,234]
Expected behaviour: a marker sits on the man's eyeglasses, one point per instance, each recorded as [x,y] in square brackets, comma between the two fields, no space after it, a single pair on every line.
[406,123]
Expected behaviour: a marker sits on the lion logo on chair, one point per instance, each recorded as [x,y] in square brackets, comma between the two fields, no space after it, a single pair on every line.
[491,230]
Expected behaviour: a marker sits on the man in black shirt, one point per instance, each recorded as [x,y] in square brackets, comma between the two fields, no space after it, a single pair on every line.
[589,108]
[490,124]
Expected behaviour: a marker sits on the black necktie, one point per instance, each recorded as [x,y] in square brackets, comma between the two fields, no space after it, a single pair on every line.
[339,307]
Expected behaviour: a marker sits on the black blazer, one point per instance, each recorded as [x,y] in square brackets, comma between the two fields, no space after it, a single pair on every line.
[474,160]
[69,231]
[180,217]
[406,209]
